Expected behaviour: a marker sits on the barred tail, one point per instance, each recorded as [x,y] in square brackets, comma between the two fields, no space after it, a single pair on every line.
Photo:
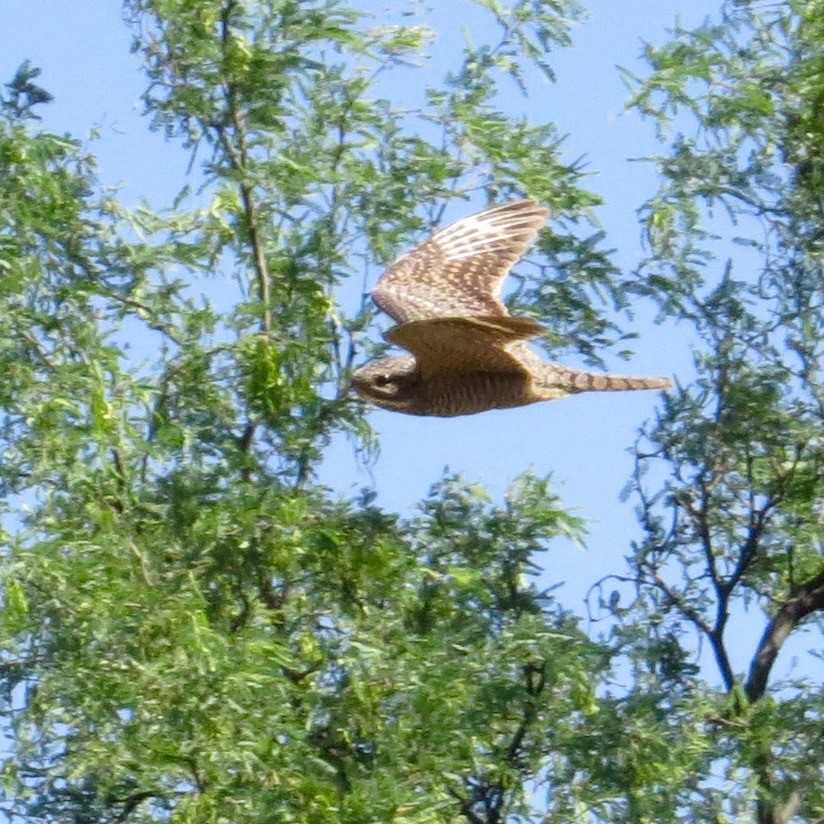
[577,381]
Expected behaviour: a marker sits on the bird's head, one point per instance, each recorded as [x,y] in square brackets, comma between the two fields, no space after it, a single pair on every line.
[390,383]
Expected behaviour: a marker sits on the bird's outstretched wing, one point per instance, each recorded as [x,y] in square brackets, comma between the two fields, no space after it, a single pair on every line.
[458,272]
[454,345]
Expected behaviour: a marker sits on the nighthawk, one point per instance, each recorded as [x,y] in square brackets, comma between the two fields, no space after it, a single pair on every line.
[468,354]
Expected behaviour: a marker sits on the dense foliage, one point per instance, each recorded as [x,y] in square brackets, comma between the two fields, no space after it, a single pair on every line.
[735,530]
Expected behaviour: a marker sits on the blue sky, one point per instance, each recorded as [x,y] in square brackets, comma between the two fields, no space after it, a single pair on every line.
[83,49]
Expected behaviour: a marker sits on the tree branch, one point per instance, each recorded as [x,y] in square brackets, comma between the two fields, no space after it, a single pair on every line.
[535,681]
[133,801]
[238,158]
[804,599]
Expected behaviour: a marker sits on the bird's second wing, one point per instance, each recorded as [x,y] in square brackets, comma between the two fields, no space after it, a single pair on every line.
[458,272]
[477,344]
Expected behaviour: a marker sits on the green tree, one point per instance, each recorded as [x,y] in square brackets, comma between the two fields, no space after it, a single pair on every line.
[729,475]
[193,627]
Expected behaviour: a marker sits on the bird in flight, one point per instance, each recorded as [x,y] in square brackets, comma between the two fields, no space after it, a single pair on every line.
[468,354]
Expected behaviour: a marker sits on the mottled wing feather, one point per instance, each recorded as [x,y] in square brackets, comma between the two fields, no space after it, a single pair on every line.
[454,345]
[458,272]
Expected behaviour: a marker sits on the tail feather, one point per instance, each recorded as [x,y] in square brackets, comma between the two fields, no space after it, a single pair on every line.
[577,381]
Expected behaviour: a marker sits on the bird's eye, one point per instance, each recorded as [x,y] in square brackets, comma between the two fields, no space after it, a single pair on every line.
[383,380]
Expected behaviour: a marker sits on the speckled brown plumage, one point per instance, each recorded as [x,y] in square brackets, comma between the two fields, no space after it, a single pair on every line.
[468,353]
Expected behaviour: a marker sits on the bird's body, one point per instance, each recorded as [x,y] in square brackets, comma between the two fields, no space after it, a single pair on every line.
[445,397]
[468,353]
